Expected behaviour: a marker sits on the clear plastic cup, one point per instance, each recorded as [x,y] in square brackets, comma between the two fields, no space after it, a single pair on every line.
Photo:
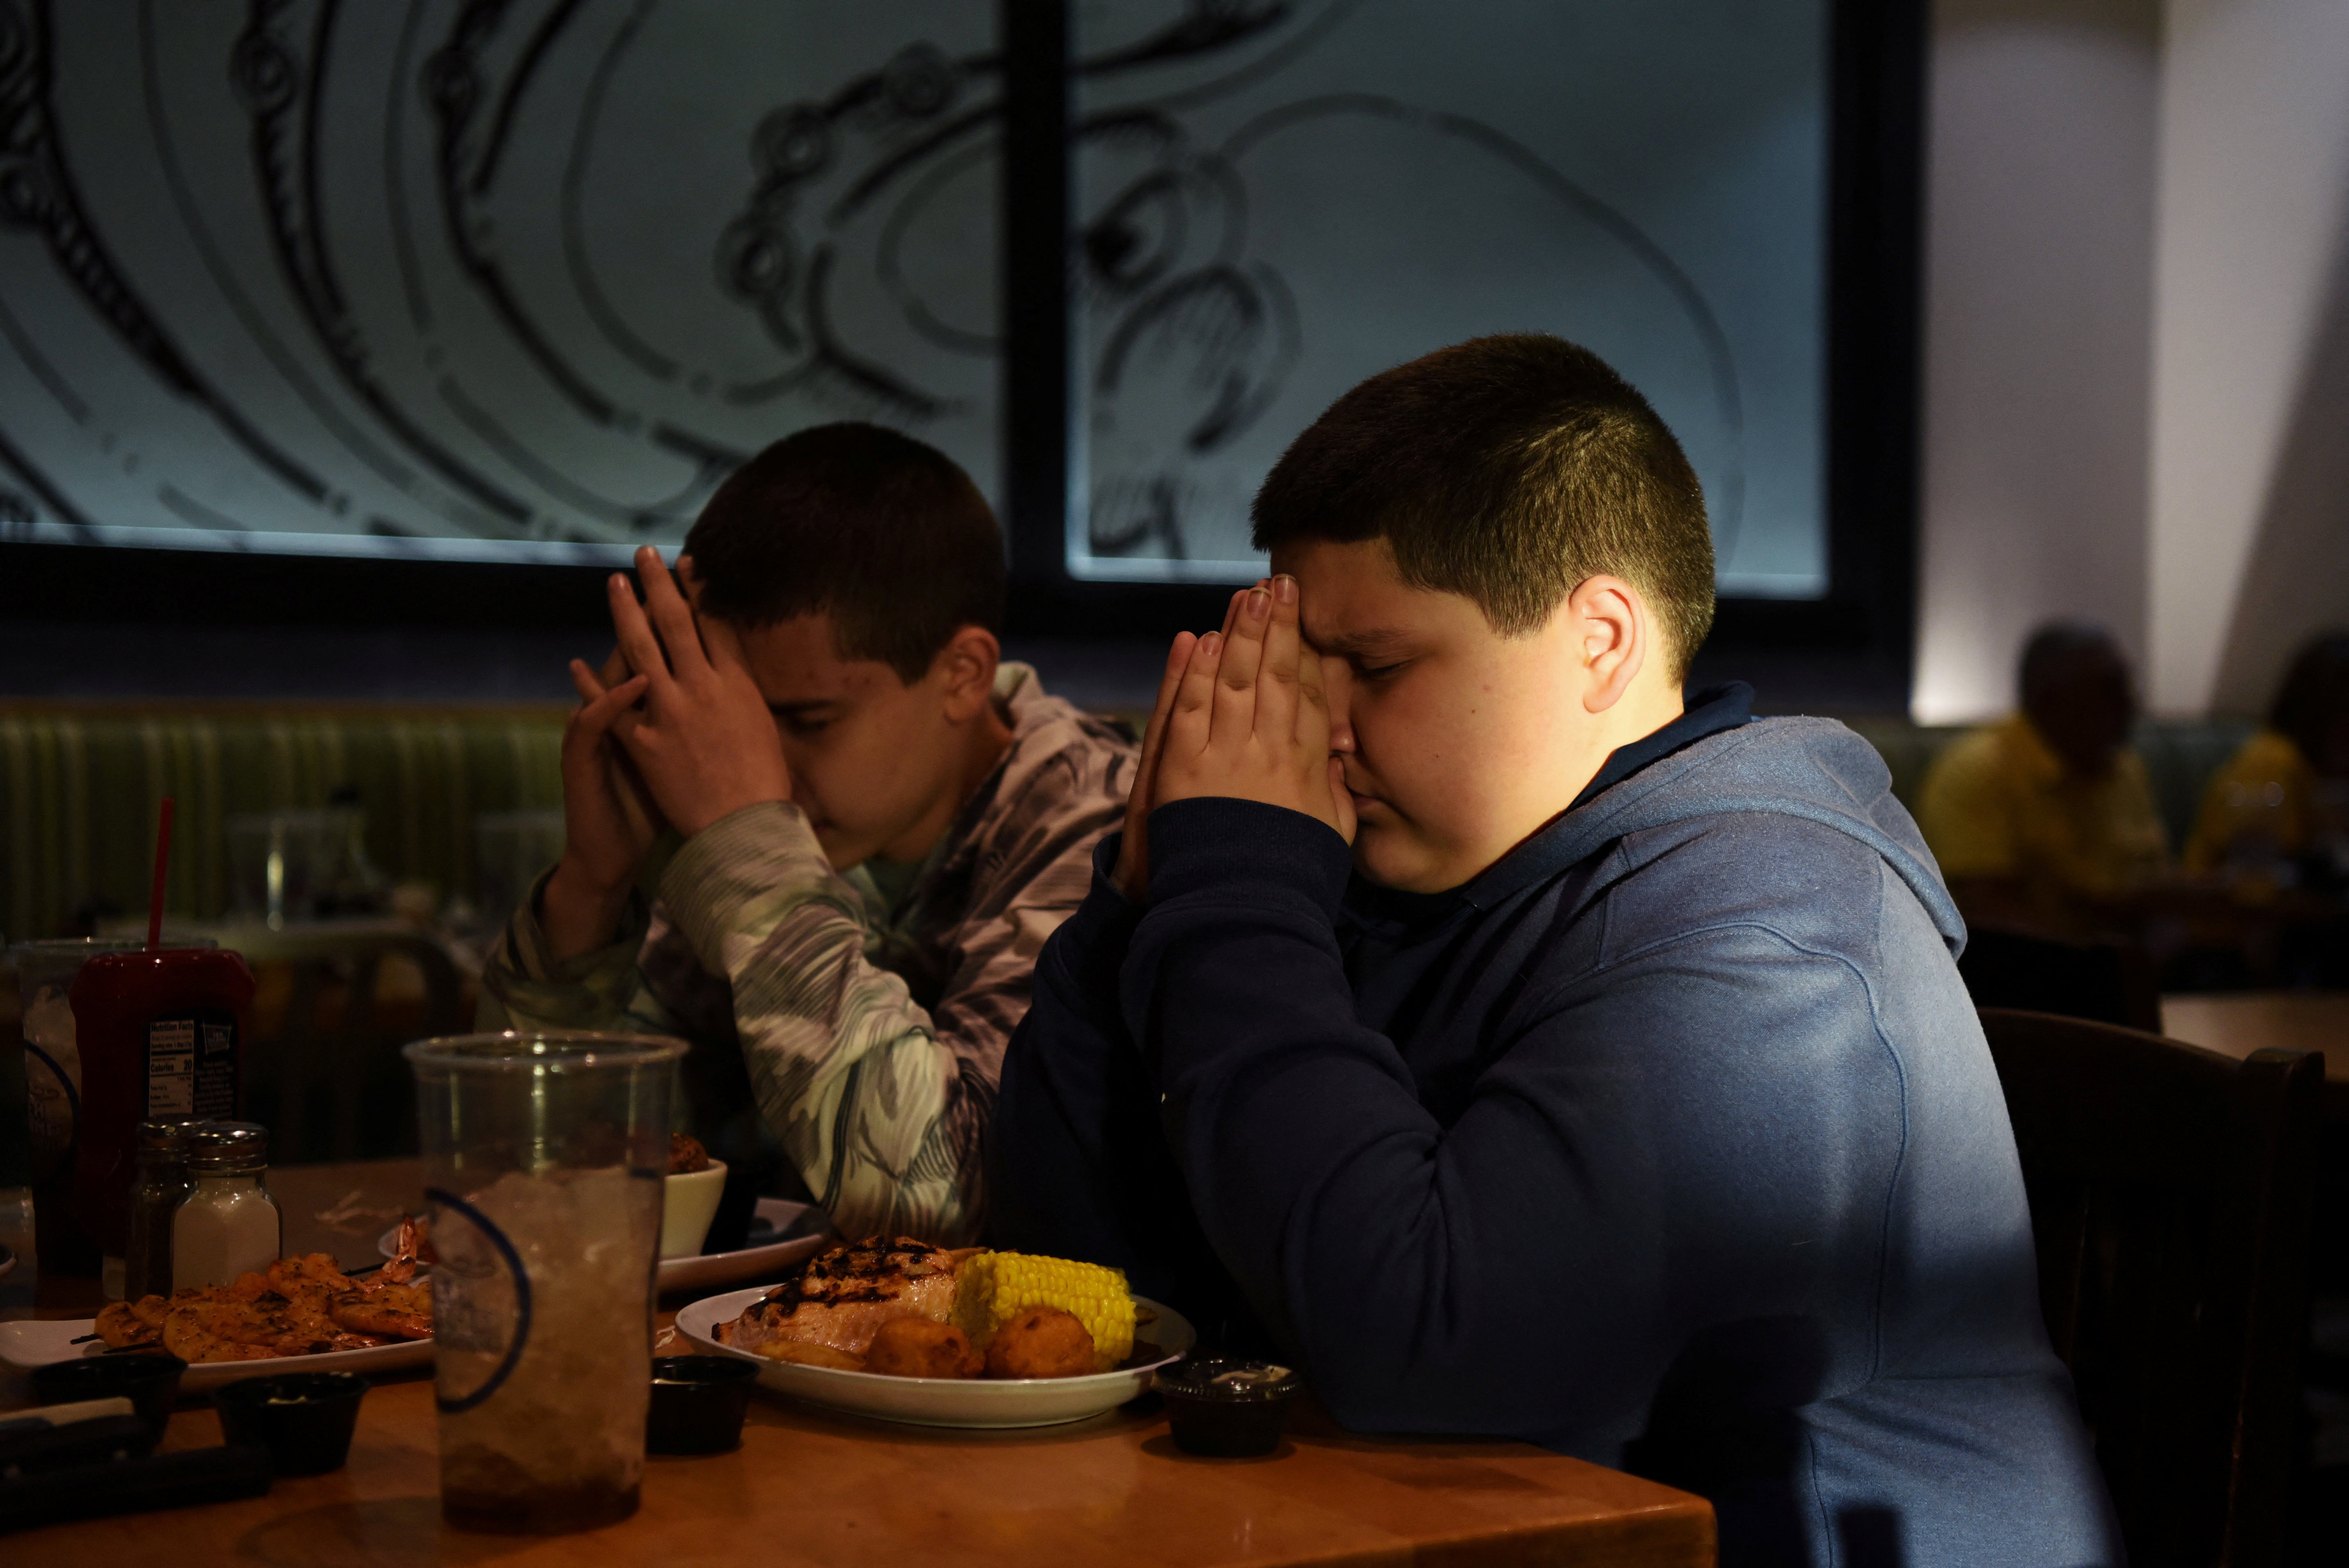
[543,1157]
[44,972]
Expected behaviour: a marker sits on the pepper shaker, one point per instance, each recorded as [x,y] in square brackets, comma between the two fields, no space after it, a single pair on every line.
[156,1191]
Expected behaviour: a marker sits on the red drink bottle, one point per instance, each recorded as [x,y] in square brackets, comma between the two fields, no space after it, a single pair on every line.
[161,1033]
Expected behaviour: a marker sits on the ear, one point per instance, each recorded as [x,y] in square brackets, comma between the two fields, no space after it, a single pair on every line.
[965,671]
[1611,631]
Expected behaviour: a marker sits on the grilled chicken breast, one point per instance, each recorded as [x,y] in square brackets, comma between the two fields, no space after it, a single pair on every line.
[840,1298]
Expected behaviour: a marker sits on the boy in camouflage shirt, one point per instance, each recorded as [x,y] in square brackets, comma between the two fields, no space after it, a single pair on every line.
[881,825]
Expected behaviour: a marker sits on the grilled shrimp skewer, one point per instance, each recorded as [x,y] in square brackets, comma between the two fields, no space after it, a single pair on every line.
[302,1305]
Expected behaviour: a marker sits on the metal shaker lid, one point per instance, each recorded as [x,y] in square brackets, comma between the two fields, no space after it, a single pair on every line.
[167,1137]
[227,1148]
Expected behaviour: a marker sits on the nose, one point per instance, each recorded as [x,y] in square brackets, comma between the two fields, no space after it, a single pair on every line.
[1337,687]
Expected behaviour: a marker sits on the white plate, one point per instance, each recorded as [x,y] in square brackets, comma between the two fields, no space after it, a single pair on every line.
[28,1342]
[720,1268]
[947,1401]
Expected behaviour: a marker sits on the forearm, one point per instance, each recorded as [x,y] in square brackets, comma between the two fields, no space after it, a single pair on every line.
[1077,1167]
[879,1130]
[1407,1264]
[878,1114]
[1234,989]
[525,985]
[576,915]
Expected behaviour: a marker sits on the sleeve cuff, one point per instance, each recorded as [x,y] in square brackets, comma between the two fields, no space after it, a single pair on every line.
[525,941]
[1215,842]
[745,856]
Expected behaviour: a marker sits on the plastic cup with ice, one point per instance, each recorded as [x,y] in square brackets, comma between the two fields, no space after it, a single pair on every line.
[543,1157]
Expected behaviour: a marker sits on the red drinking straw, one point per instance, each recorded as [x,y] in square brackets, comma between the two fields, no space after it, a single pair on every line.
[163,868]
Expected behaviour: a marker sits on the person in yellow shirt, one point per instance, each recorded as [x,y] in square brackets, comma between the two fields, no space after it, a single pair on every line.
[2046,821]
[2284,796]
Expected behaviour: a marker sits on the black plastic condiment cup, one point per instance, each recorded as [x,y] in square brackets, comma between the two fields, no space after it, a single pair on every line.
[698,1403]
[1225,1407]
[304,1418]
[149,1379]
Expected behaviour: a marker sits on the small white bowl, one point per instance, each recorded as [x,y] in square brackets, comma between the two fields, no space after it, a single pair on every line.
[688,1203]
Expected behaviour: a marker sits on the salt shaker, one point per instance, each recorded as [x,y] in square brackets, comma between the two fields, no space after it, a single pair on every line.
[228,1226]
[155,1195]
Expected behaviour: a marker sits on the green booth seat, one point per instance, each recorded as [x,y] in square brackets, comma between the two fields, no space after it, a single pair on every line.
[81,785]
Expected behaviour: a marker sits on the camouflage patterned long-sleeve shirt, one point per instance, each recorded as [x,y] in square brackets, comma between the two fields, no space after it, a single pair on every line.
[873,1037]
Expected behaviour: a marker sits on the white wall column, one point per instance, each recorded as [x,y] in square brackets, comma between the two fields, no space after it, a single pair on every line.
[2040,200]
[2249,533]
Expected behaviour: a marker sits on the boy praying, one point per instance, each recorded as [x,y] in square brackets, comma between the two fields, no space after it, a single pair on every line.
[1529,1052]
[881,822]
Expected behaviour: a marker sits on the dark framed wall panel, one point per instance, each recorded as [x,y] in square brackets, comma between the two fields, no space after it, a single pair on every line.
[1847,645]
[1854,650]
[1026,103]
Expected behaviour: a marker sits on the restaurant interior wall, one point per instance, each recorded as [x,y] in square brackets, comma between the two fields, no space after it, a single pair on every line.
[2136,404]
[196,623]
[2249,546]
[2039,293]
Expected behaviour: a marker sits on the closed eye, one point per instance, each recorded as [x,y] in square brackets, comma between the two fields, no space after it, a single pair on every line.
[800,723]
[1376,671]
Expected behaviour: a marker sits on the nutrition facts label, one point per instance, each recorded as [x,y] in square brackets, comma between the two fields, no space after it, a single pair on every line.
[192,1067]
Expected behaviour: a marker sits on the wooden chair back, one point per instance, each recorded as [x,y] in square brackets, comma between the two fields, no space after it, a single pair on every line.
[2169,1197]
[2110,981]
[332,1084]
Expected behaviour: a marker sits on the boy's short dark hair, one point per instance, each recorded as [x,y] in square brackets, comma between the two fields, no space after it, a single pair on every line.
[1508,469]
[885,533]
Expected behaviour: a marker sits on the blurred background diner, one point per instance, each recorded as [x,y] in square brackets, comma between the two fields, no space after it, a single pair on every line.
[339,363]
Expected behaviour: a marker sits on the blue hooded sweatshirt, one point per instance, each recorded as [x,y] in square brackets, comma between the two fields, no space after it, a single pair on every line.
[1670,1141]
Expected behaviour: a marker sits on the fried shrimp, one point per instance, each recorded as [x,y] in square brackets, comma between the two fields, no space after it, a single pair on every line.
[310,1286]
[125,1323]
[317,1269]
[407,1251]
[299,1307]
[390,1310]
[228,1325]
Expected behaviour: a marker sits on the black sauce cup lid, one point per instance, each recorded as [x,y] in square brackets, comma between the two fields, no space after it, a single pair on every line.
[1226,1381]
[292,1388]
[306,1419]
[697,1404]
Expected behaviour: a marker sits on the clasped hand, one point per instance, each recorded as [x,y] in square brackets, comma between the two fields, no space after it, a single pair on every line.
[1241,713]
[673,728]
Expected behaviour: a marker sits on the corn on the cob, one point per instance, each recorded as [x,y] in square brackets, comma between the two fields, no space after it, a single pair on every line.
[992,1286]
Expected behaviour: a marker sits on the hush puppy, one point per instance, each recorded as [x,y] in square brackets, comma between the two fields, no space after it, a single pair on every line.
[1041,1342]
[920,1348]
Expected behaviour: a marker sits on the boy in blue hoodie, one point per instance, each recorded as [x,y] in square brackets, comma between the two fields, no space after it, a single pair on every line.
[1529,1051]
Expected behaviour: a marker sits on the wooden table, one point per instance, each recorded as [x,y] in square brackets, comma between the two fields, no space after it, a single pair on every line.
[807,1488]
[2240,1022]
